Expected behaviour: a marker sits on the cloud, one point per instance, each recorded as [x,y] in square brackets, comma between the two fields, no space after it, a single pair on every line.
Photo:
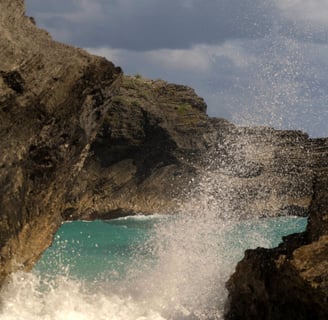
[178,24]
[199,58]
[254,61]
[306,11]
[275,81]
[151,24]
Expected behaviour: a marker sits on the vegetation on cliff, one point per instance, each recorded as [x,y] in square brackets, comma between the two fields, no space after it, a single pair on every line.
[73,146]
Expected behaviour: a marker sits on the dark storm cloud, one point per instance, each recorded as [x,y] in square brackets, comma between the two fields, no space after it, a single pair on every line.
[51,7]
[256,62]
[151,24]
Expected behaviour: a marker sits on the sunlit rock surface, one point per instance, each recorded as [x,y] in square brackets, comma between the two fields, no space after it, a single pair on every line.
[72,147]
[291,281]
[52,101]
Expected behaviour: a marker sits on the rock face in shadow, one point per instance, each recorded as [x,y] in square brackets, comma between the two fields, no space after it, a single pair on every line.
[52,101]
[291,281]
[149,148]
[73,147]
[157,143]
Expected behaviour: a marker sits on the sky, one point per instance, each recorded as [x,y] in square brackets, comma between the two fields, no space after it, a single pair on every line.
[255,62]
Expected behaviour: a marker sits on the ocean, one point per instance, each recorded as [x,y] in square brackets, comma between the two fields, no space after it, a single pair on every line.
[139,268]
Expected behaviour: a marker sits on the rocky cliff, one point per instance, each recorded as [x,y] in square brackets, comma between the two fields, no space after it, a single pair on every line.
[157,143]
[74,147]
[52,101]
[149,147]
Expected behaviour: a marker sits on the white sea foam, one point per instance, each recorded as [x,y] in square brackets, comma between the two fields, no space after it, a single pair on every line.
[27,297]
[195,254]
[141,216]
[194,259]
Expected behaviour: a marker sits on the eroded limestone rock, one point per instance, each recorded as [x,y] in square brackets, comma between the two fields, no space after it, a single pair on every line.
[52,101]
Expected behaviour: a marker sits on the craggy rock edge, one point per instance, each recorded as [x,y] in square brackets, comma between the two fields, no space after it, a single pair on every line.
[72,148]
[290,281]
[53,99]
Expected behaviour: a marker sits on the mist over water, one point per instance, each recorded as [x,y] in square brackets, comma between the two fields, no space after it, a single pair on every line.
[176,267]
[147,268]
[161,267]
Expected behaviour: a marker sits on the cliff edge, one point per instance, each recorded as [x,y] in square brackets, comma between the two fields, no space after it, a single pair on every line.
[52,101]
[81,141]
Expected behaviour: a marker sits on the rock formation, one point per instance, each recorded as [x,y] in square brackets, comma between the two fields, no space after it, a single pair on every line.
[157,142]
[291,281]
[52,101]
[73,147]
[150,146]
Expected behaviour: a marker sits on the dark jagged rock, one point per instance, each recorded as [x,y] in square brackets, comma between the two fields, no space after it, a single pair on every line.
[73,148]
[291,281]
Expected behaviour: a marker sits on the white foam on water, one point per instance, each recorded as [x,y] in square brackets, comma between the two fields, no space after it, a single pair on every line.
[142,217]
[195,256]
[194,253]
[28,297]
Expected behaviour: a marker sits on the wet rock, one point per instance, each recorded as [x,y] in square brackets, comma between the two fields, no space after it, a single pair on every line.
[291,281]
[73,147]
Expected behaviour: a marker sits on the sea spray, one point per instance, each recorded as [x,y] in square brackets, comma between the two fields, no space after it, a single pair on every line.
[29,296]
[174,267]
[177,273]
[195,254]
[162,267]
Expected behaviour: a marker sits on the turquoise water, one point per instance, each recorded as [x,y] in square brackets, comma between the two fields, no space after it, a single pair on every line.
[139,268]
[105,249]
[99,249]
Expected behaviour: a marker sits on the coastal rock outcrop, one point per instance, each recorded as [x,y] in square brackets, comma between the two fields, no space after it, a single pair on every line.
[52,101]
[81,141]
[150,146]
[290,281]
[157,144]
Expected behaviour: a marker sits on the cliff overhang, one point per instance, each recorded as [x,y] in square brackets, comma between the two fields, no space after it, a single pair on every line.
[81,141]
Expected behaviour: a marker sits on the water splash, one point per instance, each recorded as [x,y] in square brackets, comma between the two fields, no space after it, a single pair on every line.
[30,297]
[179,272]
[284,86]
